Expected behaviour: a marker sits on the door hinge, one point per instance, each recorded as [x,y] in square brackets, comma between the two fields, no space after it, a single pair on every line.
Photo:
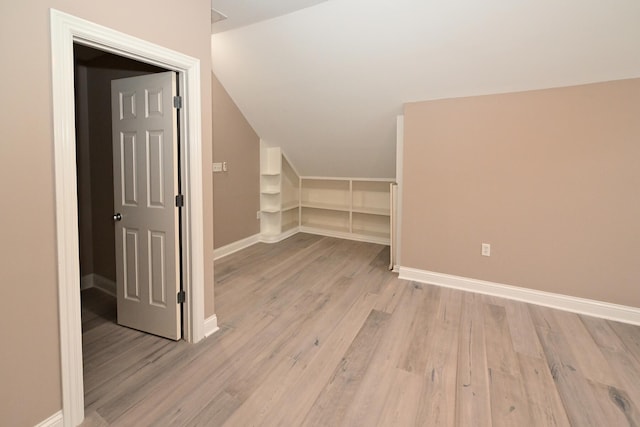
[180,200]
[177,102]
[181,297]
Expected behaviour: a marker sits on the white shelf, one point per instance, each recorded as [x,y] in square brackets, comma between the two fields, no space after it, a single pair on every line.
[364,232]
[269,211]
[372,211]
[370,197]
[279,193]
[326,192]
[346,207]
[371,224]
[270,184]
[326,206]
[322,218]
[289,219]
[270,160]
[270,223]
[351,208]
[319,228]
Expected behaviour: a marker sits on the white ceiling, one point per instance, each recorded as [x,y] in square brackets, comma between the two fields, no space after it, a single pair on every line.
[245,12]
[326,82]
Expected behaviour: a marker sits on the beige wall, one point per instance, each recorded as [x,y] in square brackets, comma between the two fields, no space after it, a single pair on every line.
[549,178]
[236,193]
[30,369]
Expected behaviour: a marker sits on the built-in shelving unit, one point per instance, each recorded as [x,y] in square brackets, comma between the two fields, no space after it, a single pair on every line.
[279,195]
[350,208]
[290,206]
[346,207]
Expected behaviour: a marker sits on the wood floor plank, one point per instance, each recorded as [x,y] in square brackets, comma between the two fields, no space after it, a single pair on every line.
[545,404]
[521,329]
[630,335]
[473,405]
[603,334]
[260,388]
[509,404]
[617,404]
[374,390]
[333,401]
[311,382]
[215,414]
[423,326]
[577,394]
[391,295]
[401,407]
[588,358]
[438,400]
[623,365]
[333,306]
[317,331]
[197,375]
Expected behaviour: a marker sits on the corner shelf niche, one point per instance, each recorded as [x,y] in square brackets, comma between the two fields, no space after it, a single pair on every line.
[348,208]
[279,195]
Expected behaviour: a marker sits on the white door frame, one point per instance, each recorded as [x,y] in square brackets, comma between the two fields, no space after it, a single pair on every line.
[65,30]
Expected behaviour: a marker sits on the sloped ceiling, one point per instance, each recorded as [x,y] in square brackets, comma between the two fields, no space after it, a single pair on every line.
[240,13]
[326,83]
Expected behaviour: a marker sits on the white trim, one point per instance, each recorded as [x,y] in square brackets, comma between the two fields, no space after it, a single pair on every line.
[86,282]
[210,325]
[290,164]
[95,280]
[348,178]
[345,235]
[275,238]
[54,420]
[223,251]
[399,180]
[65,30]
[105,285]
[605,310]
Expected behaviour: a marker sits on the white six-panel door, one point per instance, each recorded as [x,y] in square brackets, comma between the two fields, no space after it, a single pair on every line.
[145,185]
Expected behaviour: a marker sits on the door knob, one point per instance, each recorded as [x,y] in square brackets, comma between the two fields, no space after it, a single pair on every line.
[117,217]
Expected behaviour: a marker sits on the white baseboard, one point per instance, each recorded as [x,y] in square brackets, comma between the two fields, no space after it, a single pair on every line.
[210,325]
[235,246]
[266,238]
[605,310]
[279,237]
[86,282]
[54,420]
[94,280]
[344,235]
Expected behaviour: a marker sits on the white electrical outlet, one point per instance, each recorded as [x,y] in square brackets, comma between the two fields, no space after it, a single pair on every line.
[486,249]
[224,166]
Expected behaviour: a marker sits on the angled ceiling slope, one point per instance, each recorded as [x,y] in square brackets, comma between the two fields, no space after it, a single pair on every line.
[230,14]
[326,83]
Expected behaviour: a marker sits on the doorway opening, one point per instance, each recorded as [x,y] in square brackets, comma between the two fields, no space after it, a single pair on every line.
[65,31]
[94,71]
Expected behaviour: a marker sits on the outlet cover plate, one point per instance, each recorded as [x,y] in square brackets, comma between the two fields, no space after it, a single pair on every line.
[486,249]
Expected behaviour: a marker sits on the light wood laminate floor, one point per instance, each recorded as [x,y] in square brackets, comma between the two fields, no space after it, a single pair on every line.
[316,331]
